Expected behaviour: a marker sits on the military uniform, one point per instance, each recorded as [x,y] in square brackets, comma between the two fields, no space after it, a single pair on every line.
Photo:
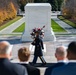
[38,49]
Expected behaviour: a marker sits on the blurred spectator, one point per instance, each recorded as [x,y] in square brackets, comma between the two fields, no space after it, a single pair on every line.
[60,55]
[6,67]
[70,67]
[24,55]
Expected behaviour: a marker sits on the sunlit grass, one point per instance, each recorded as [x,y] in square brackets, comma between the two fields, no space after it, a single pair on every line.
[20,28]
[56,27]
[10,22]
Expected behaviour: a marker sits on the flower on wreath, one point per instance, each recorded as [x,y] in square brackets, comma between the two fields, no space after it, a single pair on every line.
[40,30]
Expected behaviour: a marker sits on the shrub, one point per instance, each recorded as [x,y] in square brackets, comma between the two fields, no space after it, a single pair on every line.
[8,13]
[1,17]
[66,13]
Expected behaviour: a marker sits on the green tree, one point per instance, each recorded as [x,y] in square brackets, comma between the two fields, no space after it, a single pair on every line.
[40,1]
[54,5]
[22,3]
[59,4]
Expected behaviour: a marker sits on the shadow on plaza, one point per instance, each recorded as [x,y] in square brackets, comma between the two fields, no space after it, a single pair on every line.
[12,41]
[40,65]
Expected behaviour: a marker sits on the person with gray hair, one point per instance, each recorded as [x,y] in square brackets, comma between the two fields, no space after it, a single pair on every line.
[5,49]
[70,67]
[6,67]
[60,55]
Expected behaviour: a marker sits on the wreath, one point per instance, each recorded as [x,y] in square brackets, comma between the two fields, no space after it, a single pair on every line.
[39,30]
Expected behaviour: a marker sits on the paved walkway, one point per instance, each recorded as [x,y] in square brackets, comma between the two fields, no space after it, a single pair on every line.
[11,28]
[65,26]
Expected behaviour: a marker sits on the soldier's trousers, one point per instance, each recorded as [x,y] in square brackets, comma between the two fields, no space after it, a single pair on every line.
[41,58]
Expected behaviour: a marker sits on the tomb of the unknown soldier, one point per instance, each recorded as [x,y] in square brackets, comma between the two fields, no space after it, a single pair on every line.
[38,15]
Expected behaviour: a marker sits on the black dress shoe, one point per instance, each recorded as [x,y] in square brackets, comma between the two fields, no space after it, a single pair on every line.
[43,64]
[31,63]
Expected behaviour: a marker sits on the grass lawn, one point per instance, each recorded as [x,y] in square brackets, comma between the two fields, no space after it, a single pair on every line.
[67,21]
[20,28]
[10,22]
[56,27]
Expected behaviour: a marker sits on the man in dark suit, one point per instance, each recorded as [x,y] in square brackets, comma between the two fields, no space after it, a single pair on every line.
[24,55]
[6,67]
[70,68]
[38,43]
[60,55]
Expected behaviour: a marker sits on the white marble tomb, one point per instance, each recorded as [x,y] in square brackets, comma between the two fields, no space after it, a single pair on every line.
[38,15]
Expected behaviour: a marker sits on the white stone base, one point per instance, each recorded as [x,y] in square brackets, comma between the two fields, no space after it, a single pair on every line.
[48,36]
[26,37]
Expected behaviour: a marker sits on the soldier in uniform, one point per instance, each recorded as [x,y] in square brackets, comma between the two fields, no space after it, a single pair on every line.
[38,43]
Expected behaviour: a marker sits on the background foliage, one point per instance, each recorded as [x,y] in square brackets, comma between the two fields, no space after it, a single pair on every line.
[56,4]
[8,10]
[69,9]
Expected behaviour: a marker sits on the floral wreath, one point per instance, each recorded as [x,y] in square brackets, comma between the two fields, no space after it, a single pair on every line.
[39,30]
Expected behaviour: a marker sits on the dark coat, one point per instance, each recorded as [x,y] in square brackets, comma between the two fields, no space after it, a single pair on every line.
[68,69]
[48,71]
[8,68]
[38,46]
[31,69]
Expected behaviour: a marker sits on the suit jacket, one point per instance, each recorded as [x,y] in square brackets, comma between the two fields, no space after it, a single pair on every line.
[68,69]
[38,46]
[8,68]
[31,70]
[48,71]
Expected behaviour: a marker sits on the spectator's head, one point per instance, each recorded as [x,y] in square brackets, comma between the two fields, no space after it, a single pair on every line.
[71,51]
[23,54]
[5,49]
[60,53]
